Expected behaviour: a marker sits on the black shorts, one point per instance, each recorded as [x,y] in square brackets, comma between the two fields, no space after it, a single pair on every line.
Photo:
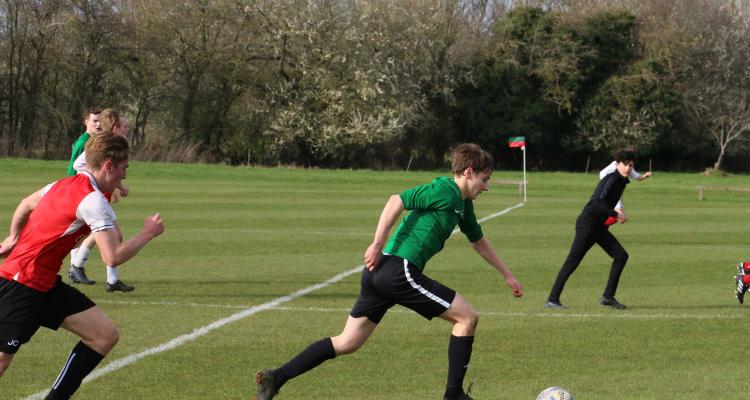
[396,281]
[23,310]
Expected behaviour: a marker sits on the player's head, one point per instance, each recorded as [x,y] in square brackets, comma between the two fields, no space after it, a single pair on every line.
[122,128]
[470,155]
[109,119]
[107,158]
[472,167]
[91,120]
[625,159]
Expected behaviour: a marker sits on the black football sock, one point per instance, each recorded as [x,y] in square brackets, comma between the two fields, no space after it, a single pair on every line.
[459,354]
[308,359]
[81,362]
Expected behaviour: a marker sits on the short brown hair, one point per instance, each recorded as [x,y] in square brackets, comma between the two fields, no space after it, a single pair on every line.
[89,111]
[106,146]
[109,118]
[470,155]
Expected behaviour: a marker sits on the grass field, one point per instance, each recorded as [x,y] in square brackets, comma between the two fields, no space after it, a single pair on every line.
[239,238]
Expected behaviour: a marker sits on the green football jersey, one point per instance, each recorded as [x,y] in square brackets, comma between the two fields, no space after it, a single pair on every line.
[435,210]
[78,148]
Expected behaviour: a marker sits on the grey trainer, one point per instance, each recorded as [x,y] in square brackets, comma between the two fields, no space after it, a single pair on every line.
[78,275]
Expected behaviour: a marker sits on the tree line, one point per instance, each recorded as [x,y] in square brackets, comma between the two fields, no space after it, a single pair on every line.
[383,84]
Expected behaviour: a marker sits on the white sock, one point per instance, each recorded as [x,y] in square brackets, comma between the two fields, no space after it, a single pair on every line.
[80,257]
[112,275]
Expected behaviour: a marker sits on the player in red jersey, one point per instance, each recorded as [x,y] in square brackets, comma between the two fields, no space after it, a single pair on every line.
[45,227]
[742,280]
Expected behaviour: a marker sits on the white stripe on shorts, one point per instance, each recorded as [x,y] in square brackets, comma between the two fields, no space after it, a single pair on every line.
[421,289]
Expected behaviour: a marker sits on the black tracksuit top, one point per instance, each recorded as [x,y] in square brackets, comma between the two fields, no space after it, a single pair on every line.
[605,197]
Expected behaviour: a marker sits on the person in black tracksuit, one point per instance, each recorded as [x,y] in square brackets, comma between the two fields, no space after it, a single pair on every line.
[591,228]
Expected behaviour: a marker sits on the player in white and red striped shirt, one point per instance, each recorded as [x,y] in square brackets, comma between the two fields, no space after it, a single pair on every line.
[45,227]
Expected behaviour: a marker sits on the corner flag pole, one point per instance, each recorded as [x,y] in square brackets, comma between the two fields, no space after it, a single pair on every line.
[523,150]
[516,142]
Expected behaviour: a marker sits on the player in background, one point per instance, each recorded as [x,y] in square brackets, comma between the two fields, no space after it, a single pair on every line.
[93,126]
[612,167]
[45,227]
[110,120]
[742,280]
[394,275]
[591,229]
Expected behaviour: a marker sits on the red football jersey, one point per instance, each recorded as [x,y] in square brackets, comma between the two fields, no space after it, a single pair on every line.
[69,209]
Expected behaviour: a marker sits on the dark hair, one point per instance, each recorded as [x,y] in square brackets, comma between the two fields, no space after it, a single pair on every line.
[626,154]
[106,146]
[89,111]
[470,155]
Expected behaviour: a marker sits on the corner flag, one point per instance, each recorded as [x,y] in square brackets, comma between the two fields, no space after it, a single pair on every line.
[518,141]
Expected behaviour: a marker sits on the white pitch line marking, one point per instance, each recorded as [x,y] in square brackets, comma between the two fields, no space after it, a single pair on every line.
[195,334]
[172,303]
[612,315]
[551,314]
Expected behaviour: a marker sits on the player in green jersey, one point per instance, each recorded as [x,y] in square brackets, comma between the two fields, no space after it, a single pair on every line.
[393,273]
[93,126]
[108,120]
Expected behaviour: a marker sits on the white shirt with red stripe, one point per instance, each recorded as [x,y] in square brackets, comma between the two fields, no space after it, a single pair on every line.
[69,210]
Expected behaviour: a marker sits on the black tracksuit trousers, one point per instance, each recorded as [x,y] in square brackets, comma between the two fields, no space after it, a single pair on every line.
[588,233]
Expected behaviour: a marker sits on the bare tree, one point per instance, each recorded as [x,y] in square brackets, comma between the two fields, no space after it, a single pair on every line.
[717,78]
[31,31]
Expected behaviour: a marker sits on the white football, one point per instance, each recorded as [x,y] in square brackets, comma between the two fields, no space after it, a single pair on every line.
[554,393]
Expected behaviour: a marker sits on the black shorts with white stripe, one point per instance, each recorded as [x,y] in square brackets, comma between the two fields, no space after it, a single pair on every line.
[23,310]
[396,281]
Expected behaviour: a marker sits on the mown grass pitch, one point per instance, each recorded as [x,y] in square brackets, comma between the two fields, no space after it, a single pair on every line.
[238,238]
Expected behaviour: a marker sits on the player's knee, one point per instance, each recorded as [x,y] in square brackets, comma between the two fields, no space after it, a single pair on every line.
[622,257]
[346,345]
[472,318]
[469,319]
[106,338]
[113,335]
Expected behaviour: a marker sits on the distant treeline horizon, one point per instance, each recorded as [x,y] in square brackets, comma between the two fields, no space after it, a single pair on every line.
[384,84]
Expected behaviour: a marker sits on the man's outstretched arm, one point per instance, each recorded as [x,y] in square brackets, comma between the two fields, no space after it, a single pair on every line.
[485,249]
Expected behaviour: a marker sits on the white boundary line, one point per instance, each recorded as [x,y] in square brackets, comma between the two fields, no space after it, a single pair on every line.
[180,340]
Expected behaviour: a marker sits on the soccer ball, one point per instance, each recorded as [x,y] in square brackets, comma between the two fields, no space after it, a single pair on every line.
[554,393]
